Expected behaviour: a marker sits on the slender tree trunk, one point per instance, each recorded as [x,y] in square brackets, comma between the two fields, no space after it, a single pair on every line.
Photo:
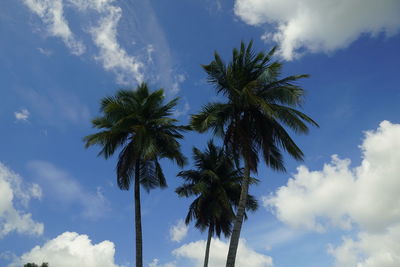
[138,217]
[237,226]
[208,246]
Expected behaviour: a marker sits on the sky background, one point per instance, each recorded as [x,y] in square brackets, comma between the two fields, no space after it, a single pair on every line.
[59,202]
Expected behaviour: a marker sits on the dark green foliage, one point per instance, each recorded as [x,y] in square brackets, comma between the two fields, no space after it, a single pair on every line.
[139,123]
[216,184]
[45,264]
[259,103]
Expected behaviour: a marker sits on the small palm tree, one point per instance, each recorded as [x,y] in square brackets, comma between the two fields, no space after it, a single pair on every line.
[251,121]
[140,124]
[217,184]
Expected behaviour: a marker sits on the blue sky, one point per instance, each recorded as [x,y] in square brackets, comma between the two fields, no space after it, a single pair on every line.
[59,201]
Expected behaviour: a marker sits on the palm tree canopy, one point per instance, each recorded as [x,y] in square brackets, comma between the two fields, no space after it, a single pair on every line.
[216,183]
[259,104]
[139,122]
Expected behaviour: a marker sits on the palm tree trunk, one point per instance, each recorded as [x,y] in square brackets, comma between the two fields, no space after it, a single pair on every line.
[237,226]
[138,217]
[208,246]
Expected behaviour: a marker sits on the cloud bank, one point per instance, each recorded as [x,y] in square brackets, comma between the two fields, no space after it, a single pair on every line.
[194,251]
[300,26]
[365,197]
[71,249]
[15,197]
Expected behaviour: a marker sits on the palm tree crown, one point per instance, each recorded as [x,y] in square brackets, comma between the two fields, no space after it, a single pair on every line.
[258,104]
[251,121]
[140,123]
[216,183]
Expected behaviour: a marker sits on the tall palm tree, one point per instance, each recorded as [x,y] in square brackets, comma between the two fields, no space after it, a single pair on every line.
[217,184]
[259,103]
[140,124]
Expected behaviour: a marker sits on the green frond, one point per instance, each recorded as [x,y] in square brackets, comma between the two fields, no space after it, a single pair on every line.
[259,104]
[139,124]
[216,184]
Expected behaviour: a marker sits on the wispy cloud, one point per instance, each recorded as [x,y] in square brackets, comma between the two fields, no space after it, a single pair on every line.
[178,80]
[119,51]
[182,112]
[15,196]
[112,56]
[127,68]
[45,52]
[64,188]
[52,14]
[22,115]
[155,263]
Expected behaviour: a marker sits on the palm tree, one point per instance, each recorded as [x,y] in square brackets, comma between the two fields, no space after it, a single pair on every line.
[251,121]
[140,124]
[217,184]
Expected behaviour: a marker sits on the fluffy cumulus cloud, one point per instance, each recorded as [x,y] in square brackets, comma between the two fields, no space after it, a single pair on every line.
[319,25]
[370,249]
[65,189]
[366,196]
[15,197]
[71,249]
[178,231]
[22,115]
[104,33]
[194,251]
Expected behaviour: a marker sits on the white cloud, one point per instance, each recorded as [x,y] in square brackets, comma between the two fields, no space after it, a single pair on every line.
[112,56]
[179,231]
[52,14]
[178,80]
[22,115]
[150,50]
[368,193]
[369,250]
[115,37]
[45,52]
[341,196]
[68,191]
[319,25]
[15,196]
[71,249]
[184,111]
[155,263]
[218,252]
